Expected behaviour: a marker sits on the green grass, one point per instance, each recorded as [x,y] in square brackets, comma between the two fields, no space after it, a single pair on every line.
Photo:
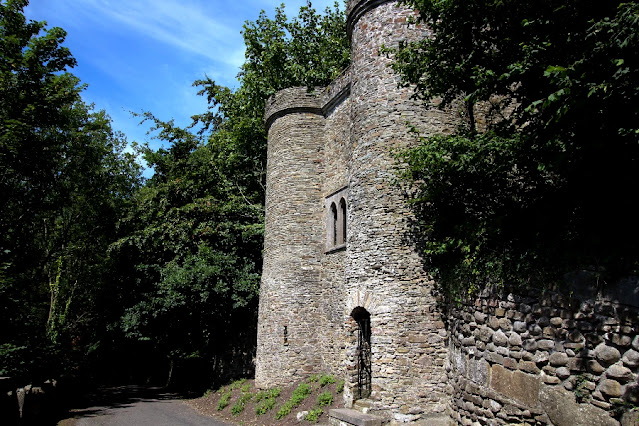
[340,386]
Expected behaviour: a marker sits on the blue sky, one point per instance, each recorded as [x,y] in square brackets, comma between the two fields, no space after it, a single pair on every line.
[138,55]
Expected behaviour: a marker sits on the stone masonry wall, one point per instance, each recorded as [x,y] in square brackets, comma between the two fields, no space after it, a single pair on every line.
[291,294]
[384,273]
[336,162]
[524,357]
[550,358]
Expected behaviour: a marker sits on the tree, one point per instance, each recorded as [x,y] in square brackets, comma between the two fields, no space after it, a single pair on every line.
[64,176]
[544,189]
[194,236]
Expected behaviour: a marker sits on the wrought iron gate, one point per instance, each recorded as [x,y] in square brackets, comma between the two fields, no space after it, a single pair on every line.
[363,358]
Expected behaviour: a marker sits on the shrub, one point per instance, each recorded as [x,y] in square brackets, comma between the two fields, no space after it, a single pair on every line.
[274,393]
[236,384]
[312,378]
[300,394]
[238,407]
[314,415]
[265,406]
[326,379]
[224,401]
[284,410]
[260,396]
[325,398]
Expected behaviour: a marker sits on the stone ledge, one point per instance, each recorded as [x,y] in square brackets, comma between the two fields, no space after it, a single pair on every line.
[352,417]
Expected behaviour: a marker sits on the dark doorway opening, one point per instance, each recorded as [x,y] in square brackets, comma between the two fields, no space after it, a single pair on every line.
[364,369]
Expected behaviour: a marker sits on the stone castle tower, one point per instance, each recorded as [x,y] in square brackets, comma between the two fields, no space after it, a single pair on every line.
[343,289]
[344,292]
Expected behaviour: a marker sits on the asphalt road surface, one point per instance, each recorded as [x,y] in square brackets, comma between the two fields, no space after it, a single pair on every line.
[137,406]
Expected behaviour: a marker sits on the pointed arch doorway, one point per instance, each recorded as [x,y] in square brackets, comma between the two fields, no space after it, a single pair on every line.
[363,353]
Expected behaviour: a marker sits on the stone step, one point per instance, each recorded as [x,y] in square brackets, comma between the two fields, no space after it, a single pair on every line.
[347,416]
[363,405]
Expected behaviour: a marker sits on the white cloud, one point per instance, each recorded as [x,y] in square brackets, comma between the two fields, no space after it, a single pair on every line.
[187,26]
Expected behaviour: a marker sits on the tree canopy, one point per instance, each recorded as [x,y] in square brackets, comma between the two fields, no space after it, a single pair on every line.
[96,264]
[192,252]
[64,178]
[538,180]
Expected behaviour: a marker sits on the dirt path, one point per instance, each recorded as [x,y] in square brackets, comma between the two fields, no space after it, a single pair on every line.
[134,405]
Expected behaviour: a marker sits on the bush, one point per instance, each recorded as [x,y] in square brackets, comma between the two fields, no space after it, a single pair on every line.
[224,401]
[324,399]
[300,394]
[284,410]
[265,400]
[237,384]
[314,415]
[326,379]
[238,407]
[265,406]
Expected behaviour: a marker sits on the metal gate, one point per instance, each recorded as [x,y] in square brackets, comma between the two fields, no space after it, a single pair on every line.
[363,357]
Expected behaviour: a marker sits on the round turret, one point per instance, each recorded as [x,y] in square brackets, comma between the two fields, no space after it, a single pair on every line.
[293,238]
[383,263]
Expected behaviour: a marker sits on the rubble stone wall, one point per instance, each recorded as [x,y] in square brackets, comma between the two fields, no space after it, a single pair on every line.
[408,341]
[562,358]
[290,310]
[524,357]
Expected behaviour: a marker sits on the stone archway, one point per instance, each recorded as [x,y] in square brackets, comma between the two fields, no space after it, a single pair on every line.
[363,377]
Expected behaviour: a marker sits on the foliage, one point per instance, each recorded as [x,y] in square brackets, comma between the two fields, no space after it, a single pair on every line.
[239,405]
[326,379]
[325,398]
[191,247]
[299,395]
[340,387]
[314,415]
[265,394]
[224,401]
[284,410]
[167,270]
[64,178]
[264,406]
[313,378]
[542,190]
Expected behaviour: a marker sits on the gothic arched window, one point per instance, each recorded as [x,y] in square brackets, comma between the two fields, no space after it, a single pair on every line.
[334,226]
[336,219]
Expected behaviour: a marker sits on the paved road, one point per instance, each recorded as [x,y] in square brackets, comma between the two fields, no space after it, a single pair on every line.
[132,405]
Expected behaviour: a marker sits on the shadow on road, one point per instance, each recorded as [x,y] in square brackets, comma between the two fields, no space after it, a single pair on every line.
[105,398]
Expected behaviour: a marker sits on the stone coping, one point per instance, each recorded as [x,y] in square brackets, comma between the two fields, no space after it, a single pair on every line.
[299,100]
[356,9]
[354,417]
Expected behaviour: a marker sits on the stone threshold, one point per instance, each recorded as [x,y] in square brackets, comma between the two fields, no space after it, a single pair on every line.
[346,416]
